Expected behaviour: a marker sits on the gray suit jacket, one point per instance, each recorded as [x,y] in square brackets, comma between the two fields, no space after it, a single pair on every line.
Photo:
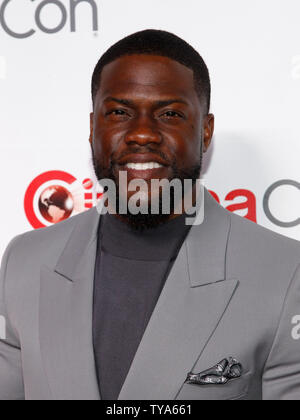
[234,290]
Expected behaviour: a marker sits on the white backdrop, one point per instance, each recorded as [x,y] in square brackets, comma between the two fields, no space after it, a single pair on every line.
[47,53]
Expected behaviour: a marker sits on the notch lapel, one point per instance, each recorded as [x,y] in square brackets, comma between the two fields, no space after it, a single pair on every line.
[190,307]
[66,305]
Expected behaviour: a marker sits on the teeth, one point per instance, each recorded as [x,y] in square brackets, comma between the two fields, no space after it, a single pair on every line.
[143,166]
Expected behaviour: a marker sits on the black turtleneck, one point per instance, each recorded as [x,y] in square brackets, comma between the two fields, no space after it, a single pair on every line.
[130,273]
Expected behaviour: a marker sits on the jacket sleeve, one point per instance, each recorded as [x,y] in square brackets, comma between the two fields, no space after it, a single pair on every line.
[11,380]
[281,379]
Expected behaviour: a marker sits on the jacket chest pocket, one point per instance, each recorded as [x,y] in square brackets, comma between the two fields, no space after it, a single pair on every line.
[234,390]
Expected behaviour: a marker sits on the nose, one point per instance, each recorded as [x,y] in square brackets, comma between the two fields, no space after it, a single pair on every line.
[142,132]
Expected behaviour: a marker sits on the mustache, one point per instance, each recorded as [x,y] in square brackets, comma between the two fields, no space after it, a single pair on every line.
[107,171]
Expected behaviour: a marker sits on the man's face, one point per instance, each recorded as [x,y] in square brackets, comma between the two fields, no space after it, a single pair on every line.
[148,121]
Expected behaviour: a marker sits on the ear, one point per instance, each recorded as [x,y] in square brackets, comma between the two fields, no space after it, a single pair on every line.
[91,127]
[208,127]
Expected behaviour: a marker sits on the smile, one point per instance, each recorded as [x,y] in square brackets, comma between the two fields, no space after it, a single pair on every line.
[143,166]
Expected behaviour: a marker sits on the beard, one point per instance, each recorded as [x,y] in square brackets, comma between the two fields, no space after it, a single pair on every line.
[141,221]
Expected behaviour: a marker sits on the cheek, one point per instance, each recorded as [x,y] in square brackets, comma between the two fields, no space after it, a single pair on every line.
[193,147]
[105,142]
[187,147]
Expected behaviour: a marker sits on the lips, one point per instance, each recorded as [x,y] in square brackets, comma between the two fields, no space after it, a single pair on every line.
[143,158]
[144,166]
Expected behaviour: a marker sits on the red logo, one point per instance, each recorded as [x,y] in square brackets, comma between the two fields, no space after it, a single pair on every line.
[249,202]
[55,196]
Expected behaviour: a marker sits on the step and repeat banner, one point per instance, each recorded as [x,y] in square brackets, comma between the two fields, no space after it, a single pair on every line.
[48,49]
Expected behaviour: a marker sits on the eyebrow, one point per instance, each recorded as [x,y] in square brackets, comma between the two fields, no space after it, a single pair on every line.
[120,101]
[160,103]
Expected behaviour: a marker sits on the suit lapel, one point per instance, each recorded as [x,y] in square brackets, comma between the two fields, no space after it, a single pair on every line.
[191,305]
[66,303]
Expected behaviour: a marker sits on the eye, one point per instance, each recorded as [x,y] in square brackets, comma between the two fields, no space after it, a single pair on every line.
[117,114]
[171,115]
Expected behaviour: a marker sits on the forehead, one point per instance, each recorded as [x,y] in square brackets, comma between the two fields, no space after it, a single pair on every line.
[150,75]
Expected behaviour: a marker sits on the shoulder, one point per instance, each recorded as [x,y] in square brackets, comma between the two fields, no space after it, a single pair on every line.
[45,243]
[27,253]
[263,257]
[247,235]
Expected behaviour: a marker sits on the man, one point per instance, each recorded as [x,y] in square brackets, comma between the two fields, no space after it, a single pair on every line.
[144,306]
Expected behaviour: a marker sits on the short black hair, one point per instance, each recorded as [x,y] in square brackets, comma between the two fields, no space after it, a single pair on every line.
[162,43]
